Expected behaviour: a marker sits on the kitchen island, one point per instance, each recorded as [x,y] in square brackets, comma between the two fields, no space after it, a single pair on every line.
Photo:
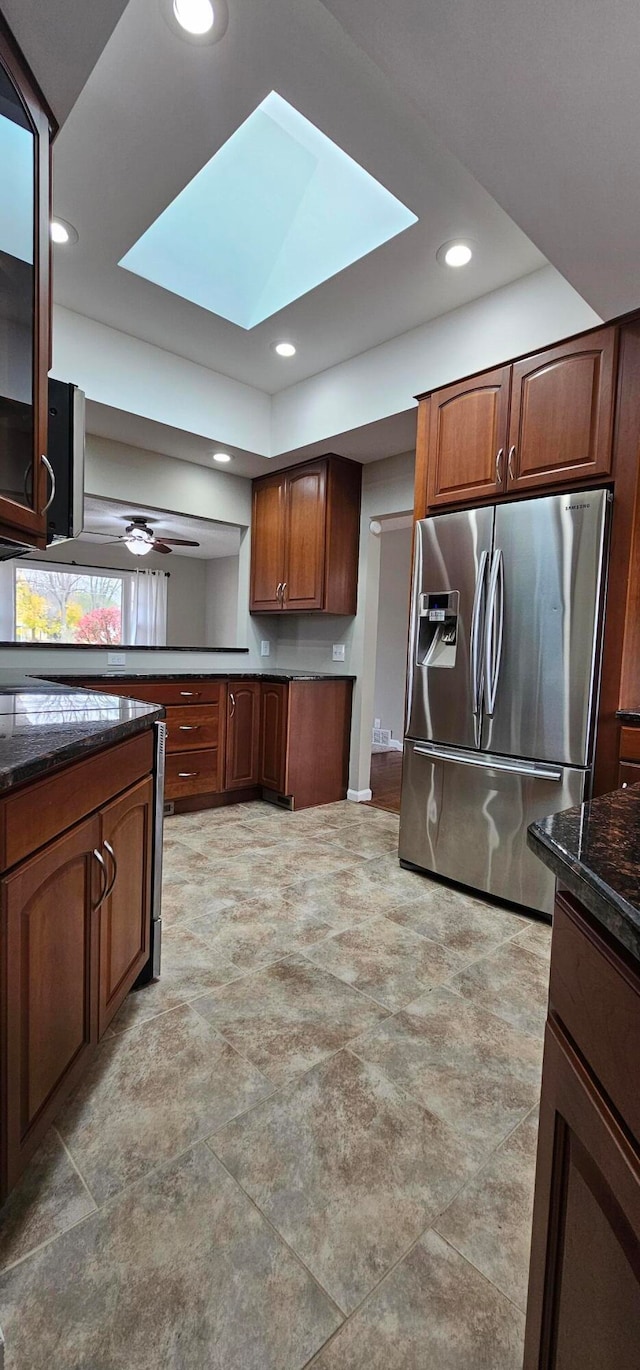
[76,847]
[584,1288]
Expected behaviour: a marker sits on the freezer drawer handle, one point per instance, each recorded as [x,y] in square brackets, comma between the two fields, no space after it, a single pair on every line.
[486,763]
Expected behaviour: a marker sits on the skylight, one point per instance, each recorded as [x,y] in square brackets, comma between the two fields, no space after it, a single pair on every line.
[278,210]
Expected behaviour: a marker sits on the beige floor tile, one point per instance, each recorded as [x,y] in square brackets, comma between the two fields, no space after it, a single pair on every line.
[256,932]
[179,1273]
[536,937]
[149,1094]
[461,1062]
[359,838]
[227,840]
[276,866]
[48,1199]
[289,1017]
[190,966]
[352,896]
[434,1312]
[183,902]
[458,920]
[348,1169]
[510,982]
[490,1220]
[391,964]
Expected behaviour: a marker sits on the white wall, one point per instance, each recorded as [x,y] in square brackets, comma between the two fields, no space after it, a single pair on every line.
[221,601]
[113,470]
[393,629]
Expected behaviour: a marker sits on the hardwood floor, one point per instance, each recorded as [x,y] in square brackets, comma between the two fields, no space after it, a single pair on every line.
[386,779]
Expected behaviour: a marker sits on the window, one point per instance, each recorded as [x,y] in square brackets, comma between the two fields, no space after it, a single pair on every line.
[74,606]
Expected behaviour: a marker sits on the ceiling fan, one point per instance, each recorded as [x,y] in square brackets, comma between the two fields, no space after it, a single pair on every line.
[140,538]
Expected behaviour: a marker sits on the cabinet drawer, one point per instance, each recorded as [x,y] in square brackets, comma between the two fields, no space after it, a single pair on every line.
[192,772]
[596,996]
[630,744]
[35,814]
[193,726]
[166,691]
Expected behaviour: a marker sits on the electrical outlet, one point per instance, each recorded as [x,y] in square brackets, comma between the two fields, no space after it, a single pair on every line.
[376,722]
[338,651]
[116,658]
[265,647]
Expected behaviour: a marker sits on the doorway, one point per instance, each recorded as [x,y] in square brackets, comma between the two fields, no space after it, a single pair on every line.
[396,537]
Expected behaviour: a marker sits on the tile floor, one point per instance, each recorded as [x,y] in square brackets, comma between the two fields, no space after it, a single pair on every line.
[312,1143]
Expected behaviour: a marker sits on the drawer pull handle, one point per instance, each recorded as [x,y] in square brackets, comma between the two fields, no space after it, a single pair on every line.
[51,473]
[189,727]
[190,694]
[512,453]
[105,879]
[107,846]
[499,456]
[187,775]
[232,701]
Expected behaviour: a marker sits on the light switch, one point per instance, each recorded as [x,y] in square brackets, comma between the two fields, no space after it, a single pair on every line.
[338,651]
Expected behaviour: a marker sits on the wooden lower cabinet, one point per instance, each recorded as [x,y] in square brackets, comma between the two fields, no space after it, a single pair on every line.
[584,1290]
[50,956]
[243,735]
[125,915]
[273,741]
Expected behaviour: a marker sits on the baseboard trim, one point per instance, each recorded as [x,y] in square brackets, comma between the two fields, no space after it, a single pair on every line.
[359,796]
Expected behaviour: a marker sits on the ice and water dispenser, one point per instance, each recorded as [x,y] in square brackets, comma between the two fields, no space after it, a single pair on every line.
[438,629]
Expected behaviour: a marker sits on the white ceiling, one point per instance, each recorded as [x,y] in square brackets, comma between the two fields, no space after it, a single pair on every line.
[156,108]
[542,103]
[62,42]
[107,519]
[371,442]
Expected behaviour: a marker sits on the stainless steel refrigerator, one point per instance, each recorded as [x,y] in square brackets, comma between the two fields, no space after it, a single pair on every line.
[504,666]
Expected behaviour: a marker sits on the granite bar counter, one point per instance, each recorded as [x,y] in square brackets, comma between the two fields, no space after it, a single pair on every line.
[45,724]
[274,676]
[594,851]
[630,718]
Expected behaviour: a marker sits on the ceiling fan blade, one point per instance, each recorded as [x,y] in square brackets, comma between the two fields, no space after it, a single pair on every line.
[159,546]
[180,542]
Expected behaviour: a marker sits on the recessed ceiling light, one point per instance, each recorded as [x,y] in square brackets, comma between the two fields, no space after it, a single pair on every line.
[285,349]
[455,253]
[62,232]
[221,457]
[195,16]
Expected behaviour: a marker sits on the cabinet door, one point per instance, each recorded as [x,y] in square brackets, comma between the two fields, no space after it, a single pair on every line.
[267,544]
[49,941]
[584,1289]
[243,735]
[24,303]
[628,774]
[562,413]
[306,514]
[467,435]
[125,915]
[273,739]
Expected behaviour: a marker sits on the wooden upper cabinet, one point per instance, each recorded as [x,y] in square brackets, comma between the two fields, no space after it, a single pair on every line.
[304,538]
[562,413]
[305,545]
[243,734]
[25,484]
[50,961]
[467,436]
[125,915]
[267,543]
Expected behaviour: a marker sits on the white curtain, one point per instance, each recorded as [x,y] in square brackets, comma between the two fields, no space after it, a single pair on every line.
[149,609]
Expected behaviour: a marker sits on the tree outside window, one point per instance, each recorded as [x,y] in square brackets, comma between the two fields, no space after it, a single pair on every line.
[67,606]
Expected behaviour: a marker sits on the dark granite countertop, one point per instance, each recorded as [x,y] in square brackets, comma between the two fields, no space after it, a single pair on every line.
[44,724]
[629,716]
[595,851]
[230,674]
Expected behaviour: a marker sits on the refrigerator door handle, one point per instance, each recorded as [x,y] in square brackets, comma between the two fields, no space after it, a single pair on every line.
[475,656]
[486,762]
[494,631]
